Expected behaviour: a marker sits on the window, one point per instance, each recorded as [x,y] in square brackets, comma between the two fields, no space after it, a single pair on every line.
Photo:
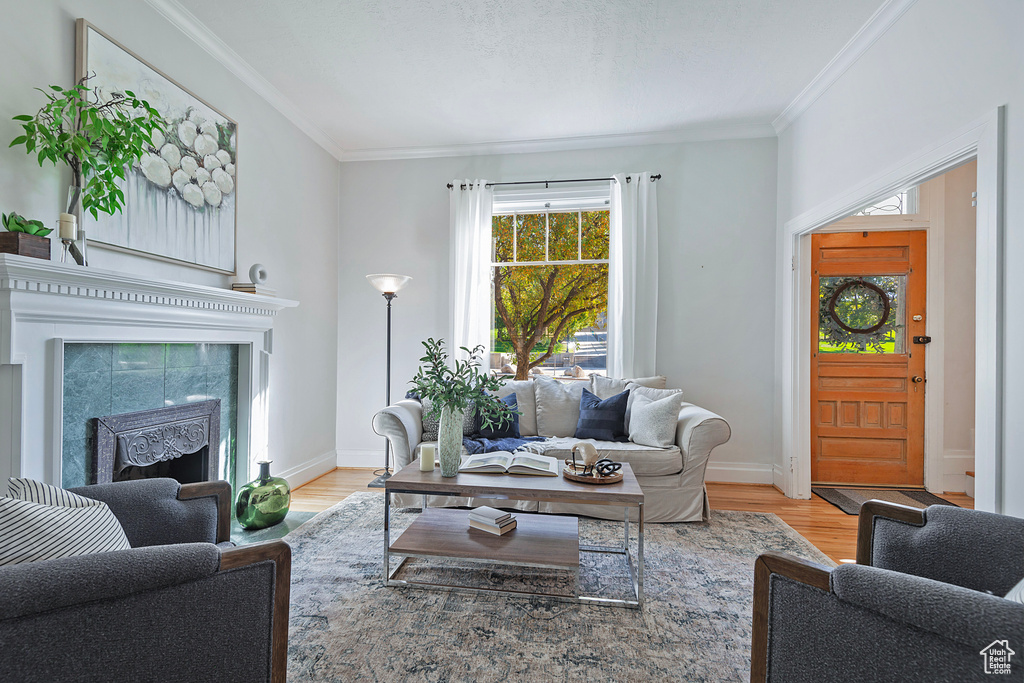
[549,274]
[901,203]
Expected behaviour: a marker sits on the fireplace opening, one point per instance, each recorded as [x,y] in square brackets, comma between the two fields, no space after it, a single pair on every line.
[187,468]
[179,442]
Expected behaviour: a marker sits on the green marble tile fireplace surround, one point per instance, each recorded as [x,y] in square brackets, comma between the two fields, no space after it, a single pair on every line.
[109,379]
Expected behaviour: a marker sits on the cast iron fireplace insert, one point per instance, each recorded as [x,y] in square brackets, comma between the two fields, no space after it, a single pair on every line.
[181,442]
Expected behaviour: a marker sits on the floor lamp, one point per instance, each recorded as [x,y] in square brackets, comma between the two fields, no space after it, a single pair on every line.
[387,284]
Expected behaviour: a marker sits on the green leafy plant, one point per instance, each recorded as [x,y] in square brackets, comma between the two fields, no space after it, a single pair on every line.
[15,223]
[98,138]
[460,384]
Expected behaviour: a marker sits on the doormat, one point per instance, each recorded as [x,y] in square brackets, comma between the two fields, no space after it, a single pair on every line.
[850,500]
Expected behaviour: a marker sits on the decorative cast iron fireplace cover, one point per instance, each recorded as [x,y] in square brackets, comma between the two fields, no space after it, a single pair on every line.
[148,437]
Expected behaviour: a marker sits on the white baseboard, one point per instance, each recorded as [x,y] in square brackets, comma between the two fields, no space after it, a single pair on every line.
[361,457]
[310,470]
[740,473]
[955,463]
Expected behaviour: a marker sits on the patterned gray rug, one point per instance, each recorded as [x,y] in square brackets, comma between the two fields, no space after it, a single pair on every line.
[695,626]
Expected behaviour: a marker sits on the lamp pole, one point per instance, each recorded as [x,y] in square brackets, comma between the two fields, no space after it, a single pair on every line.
[378,483]
[388,285]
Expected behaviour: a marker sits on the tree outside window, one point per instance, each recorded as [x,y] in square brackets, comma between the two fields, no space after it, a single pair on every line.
[550,288]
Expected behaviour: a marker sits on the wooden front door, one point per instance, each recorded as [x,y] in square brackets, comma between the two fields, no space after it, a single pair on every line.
[867,374]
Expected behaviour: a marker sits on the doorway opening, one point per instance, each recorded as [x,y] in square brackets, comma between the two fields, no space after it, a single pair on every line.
[891,296]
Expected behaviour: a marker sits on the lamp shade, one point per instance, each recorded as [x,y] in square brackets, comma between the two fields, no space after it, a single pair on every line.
[388,283]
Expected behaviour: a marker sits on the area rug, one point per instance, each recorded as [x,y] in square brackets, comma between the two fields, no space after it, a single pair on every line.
[695,625]
[850,500]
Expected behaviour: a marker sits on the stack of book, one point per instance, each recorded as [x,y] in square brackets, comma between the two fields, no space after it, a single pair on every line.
[250,288]
[492,521]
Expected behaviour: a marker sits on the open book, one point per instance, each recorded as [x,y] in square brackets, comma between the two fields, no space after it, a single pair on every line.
[504,462]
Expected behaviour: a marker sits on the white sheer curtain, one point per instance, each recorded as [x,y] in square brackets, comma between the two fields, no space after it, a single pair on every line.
[470,282]
[633,277]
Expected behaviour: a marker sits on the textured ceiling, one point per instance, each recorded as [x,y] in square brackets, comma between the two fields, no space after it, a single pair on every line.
[433,73]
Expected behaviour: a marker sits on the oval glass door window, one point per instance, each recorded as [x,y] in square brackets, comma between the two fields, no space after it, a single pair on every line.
[861,314]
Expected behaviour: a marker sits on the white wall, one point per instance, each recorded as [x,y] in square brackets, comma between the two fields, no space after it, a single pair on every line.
[716,307]
[287,200]
[942,66]
[958,293]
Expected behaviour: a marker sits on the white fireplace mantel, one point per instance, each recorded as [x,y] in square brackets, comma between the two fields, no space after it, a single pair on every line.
[44,305]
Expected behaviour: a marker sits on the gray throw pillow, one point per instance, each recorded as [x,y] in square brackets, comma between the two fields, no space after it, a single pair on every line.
[606,387]
[431,420]
[636,390]
[558,406]
[653,422]
[526,402]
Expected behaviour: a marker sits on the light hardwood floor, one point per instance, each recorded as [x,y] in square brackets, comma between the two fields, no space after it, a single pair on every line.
[831,530]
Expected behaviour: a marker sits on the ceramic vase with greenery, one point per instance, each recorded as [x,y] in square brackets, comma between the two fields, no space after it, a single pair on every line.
[97,138]
[453,388]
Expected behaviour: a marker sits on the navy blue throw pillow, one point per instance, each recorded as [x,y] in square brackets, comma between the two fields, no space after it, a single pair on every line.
[603,420]
[507,430]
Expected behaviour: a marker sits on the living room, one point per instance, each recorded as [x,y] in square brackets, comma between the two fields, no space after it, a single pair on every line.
[765,124]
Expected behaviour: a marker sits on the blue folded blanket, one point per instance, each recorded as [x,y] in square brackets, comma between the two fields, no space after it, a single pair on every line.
[481,445]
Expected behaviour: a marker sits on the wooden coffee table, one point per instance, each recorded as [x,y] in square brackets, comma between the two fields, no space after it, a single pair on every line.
[539,540]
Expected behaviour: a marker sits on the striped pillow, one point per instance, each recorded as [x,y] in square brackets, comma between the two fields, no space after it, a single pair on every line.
[1016,593]
[41,522]
[602,420]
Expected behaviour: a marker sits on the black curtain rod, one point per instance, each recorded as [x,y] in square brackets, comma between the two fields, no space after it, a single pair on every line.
[549,182]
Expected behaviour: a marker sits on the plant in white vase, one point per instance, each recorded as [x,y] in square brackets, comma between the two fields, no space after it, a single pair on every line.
[453,388]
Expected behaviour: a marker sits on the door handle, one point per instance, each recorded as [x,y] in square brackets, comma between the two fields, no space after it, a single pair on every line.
[917,379]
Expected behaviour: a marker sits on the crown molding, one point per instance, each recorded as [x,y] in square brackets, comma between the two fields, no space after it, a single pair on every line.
[699,133]
[192,27]
[875,27]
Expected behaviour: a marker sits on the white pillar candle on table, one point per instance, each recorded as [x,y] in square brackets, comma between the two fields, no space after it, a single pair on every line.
[67,226]
[427,457]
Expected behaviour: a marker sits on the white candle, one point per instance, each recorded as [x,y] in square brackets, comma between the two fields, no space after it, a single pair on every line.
[427,457]
[67,226]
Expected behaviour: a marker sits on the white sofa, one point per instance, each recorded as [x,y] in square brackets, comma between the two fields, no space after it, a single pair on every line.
[672,478]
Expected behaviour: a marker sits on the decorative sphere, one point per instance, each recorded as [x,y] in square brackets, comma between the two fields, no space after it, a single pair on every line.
[258,274]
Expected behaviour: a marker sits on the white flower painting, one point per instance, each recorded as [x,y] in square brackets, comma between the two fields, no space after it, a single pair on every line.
[180,198]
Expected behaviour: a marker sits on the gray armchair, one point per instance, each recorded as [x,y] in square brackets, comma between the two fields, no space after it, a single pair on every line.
[922,602]
[174,607]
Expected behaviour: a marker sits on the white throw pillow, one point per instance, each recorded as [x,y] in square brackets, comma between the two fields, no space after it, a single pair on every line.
[650,392]
[42,522]
[1016,593]
[606,387]
[654,421]
[558,406]
[526,402]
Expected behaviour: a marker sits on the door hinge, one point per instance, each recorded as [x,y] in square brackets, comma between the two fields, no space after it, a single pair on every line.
[792,263]
[974,199]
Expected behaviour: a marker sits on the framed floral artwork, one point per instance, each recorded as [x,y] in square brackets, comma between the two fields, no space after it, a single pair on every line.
[180,199]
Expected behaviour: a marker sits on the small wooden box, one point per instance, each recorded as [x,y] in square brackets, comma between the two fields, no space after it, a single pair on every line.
[24,244]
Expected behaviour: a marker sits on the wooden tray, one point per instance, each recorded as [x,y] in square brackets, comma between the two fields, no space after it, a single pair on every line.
[570,473]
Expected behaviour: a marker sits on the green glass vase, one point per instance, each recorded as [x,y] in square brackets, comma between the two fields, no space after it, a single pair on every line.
[264,501]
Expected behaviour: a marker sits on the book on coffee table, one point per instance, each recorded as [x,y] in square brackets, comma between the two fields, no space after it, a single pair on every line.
[503,462]
[489,515]
[496,529]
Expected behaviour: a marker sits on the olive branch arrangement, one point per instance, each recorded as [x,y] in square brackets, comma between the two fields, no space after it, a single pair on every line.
[97,138]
